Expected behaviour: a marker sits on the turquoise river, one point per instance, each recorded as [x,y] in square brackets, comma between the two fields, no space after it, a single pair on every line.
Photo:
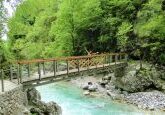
[73,102]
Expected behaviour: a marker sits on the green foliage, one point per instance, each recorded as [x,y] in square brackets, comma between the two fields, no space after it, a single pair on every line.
[50,28]
[123,34]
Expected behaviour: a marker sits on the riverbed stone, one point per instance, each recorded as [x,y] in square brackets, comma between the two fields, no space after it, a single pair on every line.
[86,93]
[147,100]
[92,87]
[85,87]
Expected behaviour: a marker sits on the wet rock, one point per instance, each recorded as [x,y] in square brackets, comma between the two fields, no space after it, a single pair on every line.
[92,88]
[103,83]
[35,111]
[108,77]
[90,83]
[86,93]
[85,87]
[125,92]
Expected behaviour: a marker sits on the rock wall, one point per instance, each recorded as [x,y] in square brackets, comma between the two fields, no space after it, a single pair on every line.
[13,102]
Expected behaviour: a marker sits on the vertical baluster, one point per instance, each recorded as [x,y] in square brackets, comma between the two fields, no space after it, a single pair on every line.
[43,68]
[78,65]
[88,63]
[39,71]
[54,68]
[116,56]
[120,57]
[96,61]
[2,80]
[110,59]
[105,58]
[67,62]
[103,61]
[11,72]
[28,68]
[126,57]
[20,72]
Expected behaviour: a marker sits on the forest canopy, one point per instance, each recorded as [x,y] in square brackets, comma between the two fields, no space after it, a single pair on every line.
[50,28]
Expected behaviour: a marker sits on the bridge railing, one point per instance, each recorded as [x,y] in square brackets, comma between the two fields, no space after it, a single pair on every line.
[38,68]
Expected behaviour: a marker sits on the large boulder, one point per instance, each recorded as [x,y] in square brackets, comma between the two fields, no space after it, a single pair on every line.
[40,107]
[137,80]
[133,81]
[92,87]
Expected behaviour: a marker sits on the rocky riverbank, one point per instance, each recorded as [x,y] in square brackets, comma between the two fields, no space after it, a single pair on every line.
[143,88]
[16,101]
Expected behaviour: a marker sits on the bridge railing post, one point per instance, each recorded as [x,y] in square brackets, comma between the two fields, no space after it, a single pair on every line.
[119,58]
[43,68]
[88,63]
[78,65]
[39,71]
[116,56]
[110,59]
[54,67]
[67,63]
[2,80]
[11,72]
[18,78]
[20,72]
[28,69]
[126,57]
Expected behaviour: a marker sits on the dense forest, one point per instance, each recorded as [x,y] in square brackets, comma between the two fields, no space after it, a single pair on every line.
[50,28]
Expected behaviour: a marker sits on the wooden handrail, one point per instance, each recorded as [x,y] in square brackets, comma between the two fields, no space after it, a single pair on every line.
[65,58]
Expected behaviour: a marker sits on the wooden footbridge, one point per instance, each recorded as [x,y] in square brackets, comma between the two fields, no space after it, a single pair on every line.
[32,73]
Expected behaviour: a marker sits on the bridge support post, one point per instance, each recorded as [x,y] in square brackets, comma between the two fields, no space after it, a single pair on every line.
[2,80]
